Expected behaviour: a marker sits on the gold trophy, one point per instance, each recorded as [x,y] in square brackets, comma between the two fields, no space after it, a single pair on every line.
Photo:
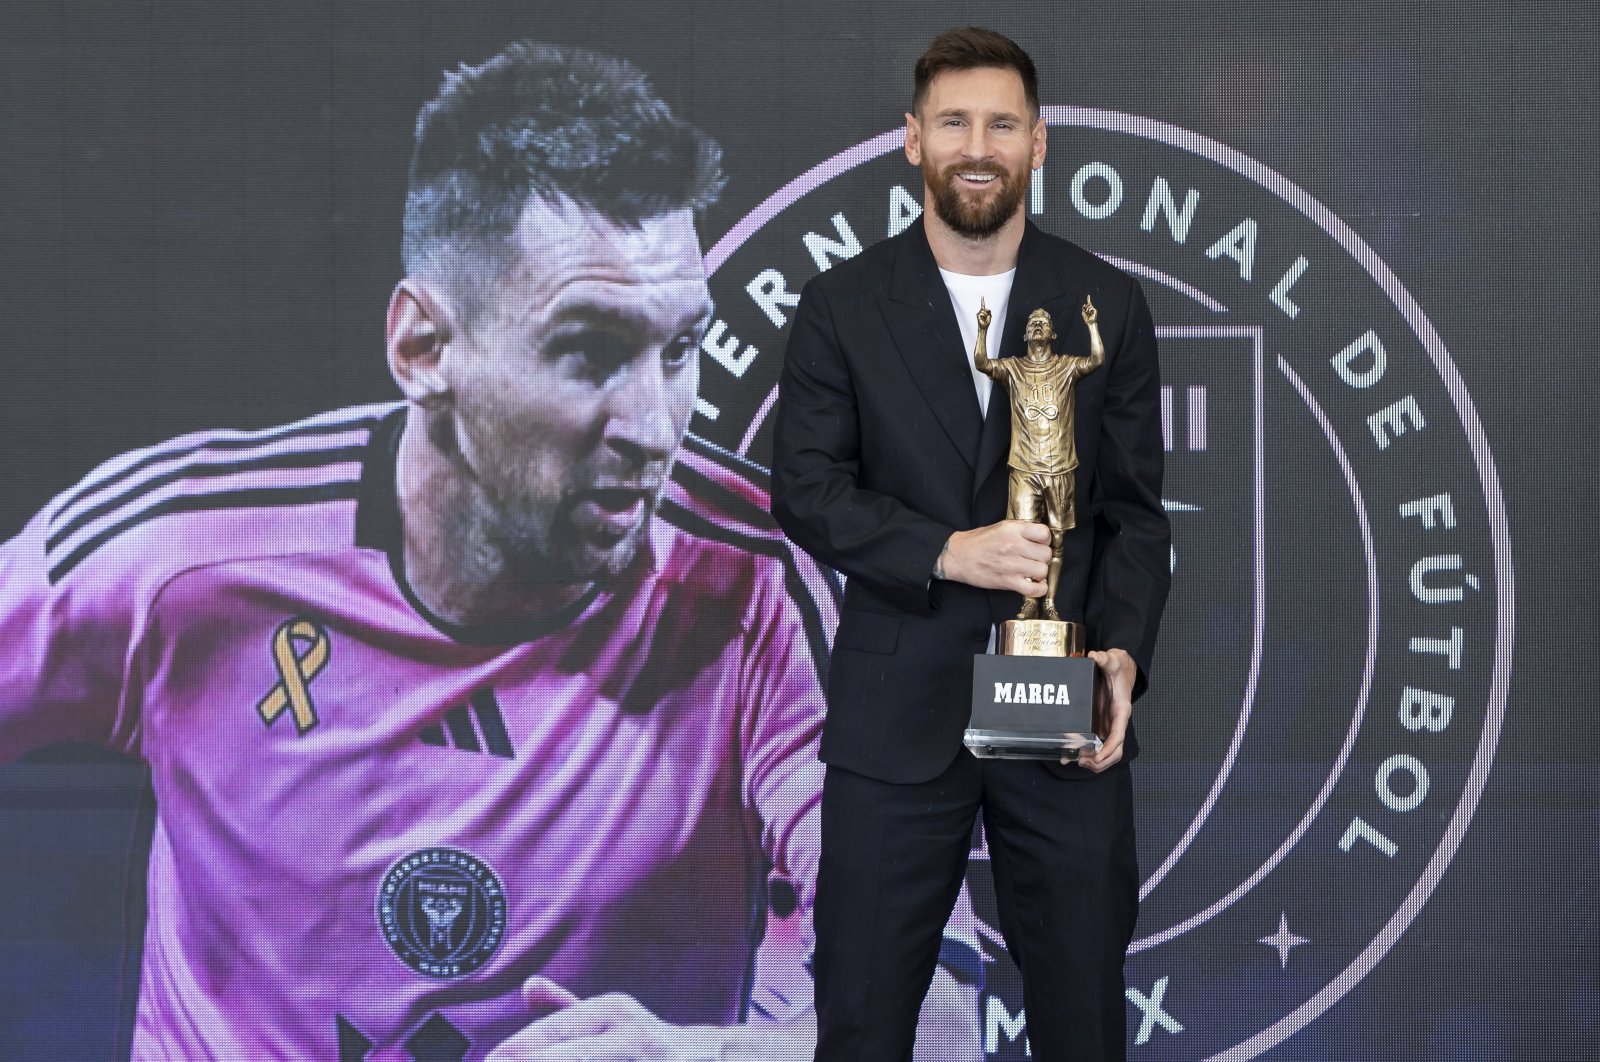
[1039,709]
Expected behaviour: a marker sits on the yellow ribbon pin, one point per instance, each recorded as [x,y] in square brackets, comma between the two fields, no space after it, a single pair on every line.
[300,652]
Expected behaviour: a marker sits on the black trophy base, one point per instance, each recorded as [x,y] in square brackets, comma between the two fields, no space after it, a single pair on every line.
[1031,707]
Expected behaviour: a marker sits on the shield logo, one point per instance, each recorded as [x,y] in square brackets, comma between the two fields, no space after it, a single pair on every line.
[442,911]
[1209,654]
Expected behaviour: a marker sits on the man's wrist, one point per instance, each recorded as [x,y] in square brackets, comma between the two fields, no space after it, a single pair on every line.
[938,562]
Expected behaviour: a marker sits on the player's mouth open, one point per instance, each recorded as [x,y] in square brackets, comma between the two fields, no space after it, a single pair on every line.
[617,508]
[977,178]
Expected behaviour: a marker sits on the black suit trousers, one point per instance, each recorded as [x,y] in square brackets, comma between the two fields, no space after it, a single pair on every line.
[1066,876]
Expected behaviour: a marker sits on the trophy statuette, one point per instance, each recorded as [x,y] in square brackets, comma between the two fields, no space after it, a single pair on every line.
[1033,698]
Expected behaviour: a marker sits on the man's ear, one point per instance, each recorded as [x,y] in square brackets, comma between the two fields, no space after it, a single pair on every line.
[416,334]
[913,140]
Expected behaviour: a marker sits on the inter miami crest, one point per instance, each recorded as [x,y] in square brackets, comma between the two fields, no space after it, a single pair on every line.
[443,911]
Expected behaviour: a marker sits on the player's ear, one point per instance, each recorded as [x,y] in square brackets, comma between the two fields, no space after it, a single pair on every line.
[913,140]
[415,336]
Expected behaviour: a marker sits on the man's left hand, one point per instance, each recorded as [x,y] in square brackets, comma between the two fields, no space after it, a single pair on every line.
[1113,706]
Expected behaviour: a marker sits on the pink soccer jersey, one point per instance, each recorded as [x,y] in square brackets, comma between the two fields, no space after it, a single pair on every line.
[373,827]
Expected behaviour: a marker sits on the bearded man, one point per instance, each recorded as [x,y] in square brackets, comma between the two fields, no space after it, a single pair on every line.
[890,467]
[478,723]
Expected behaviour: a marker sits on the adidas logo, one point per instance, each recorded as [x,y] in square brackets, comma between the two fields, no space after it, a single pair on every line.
[458,730]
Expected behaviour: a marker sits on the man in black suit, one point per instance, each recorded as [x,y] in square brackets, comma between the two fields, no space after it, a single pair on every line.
[889,467]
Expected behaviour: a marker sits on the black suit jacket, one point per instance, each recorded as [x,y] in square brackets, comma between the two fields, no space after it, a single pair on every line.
[880,453]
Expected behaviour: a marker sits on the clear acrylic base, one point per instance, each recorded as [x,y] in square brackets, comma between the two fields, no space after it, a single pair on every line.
[1010,745]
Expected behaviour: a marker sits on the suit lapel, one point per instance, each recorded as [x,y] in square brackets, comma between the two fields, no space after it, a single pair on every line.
[923,324]
[1038,280]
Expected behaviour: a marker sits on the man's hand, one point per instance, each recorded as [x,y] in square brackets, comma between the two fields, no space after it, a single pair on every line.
[618,1028]
[1113,706]
[614,1027]
[1009,555]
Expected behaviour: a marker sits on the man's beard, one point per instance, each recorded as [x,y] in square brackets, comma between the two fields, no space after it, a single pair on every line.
[975,221]
[563,546]
[534,532]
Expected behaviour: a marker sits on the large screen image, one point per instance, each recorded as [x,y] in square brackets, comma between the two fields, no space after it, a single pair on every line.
[331,322]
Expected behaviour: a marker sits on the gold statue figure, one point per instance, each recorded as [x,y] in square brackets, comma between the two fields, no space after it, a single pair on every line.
[1043,451]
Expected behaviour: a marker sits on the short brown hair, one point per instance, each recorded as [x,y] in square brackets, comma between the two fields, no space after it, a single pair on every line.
[971,48]
[545,120]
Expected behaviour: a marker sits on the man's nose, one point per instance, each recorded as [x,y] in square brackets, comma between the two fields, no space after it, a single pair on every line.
[642,425]
[977,147]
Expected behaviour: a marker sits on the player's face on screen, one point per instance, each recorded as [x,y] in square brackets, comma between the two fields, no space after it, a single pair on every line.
[976,143]
[578,385]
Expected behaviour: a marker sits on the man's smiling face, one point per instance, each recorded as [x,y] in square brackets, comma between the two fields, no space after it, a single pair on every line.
[976,140]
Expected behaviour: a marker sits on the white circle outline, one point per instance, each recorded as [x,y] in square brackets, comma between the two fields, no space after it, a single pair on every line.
[1488,478]
[1358,717]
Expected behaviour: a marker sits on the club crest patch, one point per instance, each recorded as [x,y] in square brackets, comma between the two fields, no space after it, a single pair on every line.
[443,911]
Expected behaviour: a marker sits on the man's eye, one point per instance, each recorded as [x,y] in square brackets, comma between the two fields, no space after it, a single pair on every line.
[593,356]
[680,350]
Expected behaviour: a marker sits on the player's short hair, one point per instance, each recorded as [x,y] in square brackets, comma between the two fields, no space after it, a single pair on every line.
[971,48]
[545,120]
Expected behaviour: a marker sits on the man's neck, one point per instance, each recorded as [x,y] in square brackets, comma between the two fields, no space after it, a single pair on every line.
[453,562]
[984,256]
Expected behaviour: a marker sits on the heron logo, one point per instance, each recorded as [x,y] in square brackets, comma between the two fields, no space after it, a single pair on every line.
[443,911]
[1331,682]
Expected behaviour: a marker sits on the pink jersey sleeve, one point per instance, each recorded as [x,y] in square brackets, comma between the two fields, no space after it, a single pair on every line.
[781,724]
[791,615]
[66,645]
[76,585]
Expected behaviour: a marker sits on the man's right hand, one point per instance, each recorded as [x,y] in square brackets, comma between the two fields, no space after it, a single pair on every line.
[1009,555]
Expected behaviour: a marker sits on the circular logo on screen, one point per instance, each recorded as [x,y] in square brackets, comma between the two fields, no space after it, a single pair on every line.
[1331,680]
[443,911]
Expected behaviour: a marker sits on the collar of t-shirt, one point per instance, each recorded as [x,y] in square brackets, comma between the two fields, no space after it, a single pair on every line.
[967,293]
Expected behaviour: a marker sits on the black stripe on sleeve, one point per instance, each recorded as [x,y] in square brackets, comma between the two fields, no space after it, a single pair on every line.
[736,463]
[244,441]
[256,498]
[204,470]
[700,485]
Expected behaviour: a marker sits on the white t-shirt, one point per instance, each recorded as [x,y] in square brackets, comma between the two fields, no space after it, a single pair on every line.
[967,293]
